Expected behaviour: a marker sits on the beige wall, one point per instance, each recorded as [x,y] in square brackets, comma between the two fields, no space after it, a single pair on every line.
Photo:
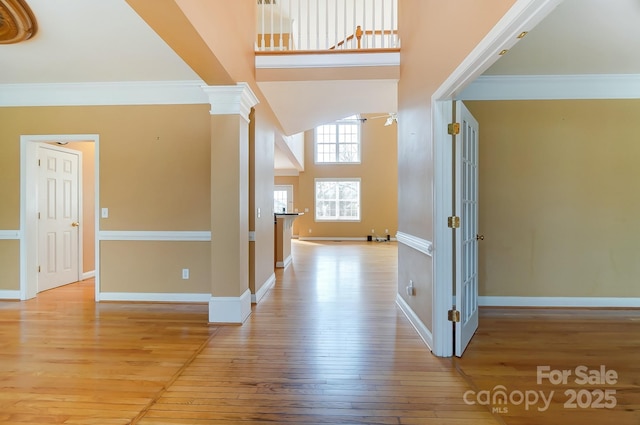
[557,204]
[262,153]
[432,47]
[88,204]
[9,265]
[154,172]
[378,173]
[151,266]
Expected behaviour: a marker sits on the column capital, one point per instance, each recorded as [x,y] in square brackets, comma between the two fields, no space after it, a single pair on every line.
[229,100]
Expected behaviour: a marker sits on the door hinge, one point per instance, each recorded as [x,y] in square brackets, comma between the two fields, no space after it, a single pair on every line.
[38,269]
[38,216]
[453,316]
[453,222]
[453,128]
[38,163]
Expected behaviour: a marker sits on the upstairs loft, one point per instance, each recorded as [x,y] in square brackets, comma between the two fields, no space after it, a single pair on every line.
[321,60]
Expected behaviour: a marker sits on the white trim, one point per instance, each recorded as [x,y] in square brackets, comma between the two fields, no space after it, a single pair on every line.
[415,321]
[522,16]
[329,238]
[422,245]
[255,298]
[228,100]
[340,60]
[107,93]
[230,309]
[443,255]
[9,295]
[154,297]
[538,87]
[28,207]
[137,235]
[88,275]
[285,263]
[490,301]
[10,234]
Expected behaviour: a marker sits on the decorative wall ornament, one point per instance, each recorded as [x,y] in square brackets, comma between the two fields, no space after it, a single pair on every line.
[17,22]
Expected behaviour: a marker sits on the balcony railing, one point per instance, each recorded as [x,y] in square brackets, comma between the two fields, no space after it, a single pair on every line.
[285,25]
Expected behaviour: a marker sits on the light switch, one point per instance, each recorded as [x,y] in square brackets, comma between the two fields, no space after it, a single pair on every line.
[105,213]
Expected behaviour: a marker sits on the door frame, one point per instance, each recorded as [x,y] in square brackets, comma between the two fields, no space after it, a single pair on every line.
[28,207]
[523,16]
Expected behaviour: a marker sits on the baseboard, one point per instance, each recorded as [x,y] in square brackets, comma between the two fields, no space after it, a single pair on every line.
[340,238]
[255,298]
[285,263]
[415,321]
[88,275]
[487,301]
[154,297]
[9,295]
[230,309]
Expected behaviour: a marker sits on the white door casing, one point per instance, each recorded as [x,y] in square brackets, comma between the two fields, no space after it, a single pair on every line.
[58,216]
[29,260]
[466,242]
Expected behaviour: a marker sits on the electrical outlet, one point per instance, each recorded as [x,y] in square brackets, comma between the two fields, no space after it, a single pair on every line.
[185,274]
[373,231]
[309,230]
[386,231]
[104,213]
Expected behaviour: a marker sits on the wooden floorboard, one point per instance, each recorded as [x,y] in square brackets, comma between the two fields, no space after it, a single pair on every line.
[326,345]
[512,343]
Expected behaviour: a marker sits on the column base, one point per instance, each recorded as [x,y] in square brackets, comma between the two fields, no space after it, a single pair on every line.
[230,309]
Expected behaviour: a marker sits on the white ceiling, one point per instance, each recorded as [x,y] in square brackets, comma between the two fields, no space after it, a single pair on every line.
[105,40]
[90,41]
[579,37]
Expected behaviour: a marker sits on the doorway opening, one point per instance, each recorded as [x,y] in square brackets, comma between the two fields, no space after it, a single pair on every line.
[29,208]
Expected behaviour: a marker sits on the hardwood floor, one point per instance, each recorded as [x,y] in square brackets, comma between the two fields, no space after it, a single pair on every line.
[511,344]
[327,345]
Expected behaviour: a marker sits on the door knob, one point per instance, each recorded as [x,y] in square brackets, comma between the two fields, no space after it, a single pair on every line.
[75,224]
[479,237]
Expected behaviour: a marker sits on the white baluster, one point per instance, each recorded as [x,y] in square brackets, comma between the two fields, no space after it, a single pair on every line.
[382,37]
[272,44]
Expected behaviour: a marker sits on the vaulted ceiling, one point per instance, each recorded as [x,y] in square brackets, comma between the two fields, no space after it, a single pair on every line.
[106,41]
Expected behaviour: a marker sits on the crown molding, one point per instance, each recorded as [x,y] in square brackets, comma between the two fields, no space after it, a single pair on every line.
[550,87]
[103,93]
[229,100]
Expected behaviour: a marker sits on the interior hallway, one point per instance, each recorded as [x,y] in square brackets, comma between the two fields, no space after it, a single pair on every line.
[327,345]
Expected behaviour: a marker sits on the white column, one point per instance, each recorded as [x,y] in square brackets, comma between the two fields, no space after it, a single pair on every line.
[230,295]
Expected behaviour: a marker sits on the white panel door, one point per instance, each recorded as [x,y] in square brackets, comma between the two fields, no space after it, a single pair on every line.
[466,269]
[58,226]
